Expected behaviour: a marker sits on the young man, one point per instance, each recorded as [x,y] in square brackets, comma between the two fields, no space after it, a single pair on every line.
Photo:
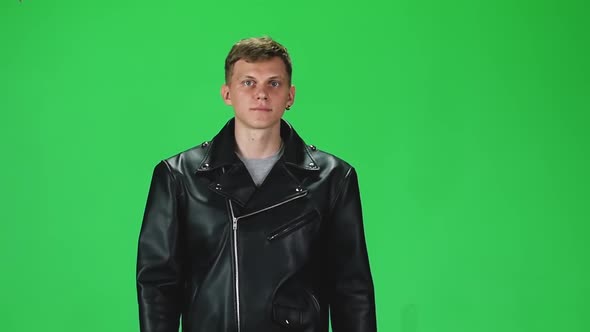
[254,231]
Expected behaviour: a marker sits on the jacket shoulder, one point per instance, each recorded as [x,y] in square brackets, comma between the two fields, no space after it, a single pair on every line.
[188,161]
[329,162]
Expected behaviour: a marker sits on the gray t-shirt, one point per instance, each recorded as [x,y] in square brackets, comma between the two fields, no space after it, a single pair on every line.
[260,167]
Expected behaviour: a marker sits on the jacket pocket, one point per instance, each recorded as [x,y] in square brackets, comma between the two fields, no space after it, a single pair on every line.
[292,226]
[296,308]
[288,316]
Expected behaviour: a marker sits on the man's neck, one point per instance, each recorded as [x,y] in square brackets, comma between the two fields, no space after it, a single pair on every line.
[257,143]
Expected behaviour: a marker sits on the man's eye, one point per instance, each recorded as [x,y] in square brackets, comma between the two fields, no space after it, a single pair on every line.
[274,84]
[248,83]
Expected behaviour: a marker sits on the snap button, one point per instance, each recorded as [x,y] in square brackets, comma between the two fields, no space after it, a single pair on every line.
[204,144]
[298,189]
[312,165]
[205,165]
[312,147]
[217,186]
[287,321]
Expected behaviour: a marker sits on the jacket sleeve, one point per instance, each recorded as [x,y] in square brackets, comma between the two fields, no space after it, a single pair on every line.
[351,293]
[159,273]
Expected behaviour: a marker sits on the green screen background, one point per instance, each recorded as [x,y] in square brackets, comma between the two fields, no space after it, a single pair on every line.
[467,123]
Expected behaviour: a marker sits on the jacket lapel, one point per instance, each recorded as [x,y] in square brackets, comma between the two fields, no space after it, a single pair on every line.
[233,181]
[279,186]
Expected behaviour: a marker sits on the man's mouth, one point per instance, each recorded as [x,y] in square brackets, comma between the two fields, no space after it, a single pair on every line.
[262,109]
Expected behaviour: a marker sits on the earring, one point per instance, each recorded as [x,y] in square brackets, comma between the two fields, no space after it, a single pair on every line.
[288,107]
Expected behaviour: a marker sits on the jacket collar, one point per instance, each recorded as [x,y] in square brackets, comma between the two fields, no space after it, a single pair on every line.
[235,182]
[221,150]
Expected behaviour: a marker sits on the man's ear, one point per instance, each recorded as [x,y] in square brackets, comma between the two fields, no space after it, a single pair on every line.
[225,95]
[291,99]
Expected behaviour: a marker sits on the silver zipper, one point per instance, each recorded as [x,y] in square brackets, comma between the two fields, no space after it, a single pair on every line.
[298,222]
[235,243]
[237,272]
[273,206]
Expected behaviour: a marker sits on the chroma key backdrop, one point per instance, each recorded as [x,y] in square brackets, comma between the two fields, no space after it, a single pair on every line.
[467,122]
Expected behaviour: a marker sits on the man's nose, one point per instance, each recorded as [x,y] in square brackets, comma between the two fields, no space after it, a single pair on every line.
[261,94]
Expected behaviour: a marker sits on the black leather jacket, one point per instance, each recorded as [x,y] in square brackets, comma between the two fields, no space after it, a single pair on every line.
[226,255]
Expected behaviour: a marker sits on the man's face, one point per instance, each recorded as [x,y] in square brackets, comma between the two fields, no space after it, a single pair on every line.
[259,92]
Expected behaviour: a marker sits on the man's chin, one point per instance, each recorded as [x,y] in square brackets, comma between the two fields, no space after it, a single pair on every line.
[258,124]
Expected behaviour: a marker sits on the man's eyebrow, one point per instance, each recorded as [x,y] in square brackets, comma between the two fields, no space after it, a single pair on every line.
[274,77]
